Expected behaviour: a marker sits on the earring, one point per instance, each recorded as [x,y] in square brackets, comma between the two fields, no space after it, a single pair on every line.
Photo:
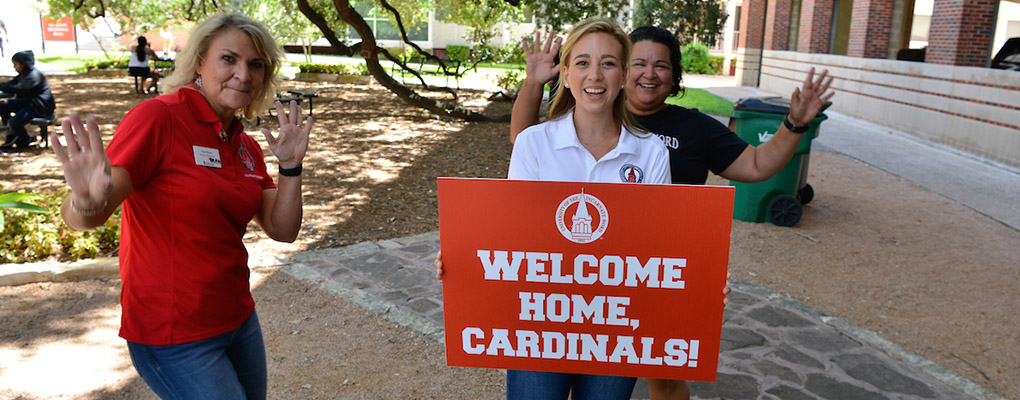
[198,82]
[566,85]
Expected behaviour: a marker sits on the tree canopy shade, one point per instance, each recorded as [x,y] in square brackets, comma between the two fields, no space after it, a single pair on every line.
[690,20]
[335,20]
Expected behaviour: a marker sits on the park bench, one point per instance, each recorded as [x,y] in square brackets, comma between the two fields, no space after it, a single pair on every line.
[44,129]
[307,94]
[285,101]
[429,66]
[163,67]
[298,96]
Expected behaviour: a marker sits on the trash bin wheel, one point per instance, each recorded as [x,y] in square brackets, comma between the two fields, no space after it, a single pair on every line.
[806,194]
[785,210]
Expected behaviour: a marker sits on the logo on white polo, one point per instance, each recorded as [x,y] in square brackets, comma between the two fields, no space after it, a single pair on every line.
[632,173]
[583,225]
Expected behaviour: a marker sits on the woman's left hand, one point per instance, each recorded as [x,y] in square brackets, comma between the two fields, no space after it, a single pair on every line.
[807,100]
[292,143]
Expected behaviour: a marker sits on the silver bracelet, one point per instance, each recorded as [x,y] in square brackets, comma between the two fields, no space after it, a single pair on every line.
[87,213]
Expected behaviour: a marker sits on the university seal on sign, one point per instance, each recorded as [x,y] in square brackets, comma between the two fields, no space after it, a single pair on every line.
[582,218]
[632,173]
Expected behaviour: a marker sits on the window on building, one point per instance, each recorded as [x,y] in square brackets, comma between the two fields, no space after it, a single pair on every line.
[794,25]
[380,23]
[921,23]
[736,28]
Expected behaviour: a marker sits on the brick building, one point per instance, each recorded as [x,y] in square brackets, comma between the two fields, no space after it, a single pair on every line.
[948,95]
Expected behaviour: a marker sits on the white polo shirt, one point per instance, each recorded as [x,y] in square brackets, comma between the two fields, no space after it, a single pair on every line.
[551,151]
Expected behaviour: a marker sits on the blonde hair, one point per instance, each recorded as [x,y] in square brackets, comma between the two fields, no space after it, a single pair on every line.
[563,101]
[207,31]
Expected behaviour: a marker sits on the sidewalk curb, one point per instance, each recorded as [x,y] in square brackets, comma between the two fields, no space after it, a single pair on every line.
[52,271]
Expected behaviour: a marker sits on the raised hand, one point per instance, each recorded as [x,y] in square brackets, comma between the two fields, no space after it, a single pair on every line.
[86,167]
[292,143]
[541,61]
[807,100]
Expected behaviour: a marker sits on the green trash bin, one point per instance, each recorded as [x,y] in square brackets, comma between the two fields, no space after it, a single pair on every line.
[778,199]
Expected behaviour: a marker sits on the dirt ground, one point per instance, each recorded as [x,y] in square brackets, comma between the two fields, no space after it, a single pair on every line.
[920,270]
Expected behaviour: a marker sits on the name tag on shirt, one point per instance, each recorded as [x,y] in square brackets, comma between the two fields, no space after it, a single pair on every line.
[207,157]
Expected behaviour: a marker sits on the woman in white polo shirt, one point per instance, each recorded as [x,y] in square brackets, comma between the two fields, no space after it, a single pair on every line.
[589,137]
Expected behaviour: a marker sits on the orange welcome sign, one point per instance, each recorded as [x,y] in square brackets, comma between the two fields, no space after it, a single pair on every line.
[596,278]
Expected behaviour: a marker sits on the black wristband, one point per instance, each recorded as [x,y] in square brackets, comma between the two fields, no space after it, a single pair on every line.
[794,128]
[296,171]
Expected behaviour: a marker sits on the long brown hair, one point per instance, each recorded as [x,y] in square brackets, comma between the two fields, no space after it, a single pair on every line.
[563,101]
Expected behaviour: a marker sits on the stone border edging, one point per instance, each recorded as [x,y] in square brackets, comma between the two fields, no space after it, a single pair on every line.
[894,350]
[52,271]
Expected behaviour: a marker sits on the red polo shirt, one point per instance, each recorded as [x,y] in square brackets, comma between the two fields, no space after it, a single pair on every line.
[182,261]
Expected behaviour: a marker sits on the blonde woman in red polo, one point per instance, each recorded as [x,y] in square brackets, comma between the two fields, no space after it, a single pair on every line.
[190,179]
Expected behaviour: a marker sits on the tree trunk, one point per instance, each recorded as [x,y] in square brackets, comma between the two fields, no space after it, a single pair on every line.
[369,50]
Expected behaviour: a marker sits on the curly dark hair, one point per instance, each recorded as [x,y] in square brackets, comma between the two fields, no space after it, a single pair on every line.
[665,38]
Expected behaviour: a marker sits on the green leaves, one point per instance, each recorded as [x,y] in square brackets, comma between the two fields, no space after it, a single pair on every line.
[690,20]
[34,232]
[14,200]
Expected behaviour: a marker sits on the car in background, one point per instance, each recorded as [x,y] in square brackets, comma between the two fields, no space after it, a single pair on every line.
[1009,56]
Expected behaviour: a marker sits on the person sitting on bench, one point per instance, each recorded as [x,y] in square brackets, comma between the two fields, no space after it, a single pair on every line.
[32,98]
[138,66]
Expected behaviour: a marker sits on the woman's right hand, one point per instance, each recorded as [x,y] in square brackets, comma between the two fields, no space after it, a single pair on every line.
[86,167]
[439,265]
[541,62]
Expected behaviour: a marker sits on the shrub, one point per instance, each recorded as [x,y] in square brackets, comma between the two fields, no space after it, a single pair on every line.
[509,53]
[696,60]
[716,62]
[510,79]
[106,63]
[458,52]
[403,52]
[359,69]
[29,236]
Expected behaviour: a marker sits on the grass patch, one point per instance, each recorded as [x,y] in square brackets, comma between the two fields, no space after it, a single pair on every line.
[71,62]
[704,101]
[486,64]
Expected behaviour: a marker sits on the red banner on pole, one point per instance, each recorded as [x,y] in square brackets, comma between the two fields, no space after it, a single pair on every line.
[597,278]
[61,30]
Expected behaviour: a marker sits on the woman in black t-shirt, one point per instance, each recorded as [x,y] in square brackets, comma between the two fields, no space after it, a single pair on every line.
[697,143]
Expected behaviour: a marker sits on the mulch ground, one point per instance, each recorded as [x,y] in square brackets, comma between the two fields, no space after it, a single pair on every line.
[371,168]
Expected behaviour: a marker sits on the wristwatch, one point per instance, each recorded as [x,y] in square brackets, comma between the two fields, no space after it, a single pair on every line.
[794,128]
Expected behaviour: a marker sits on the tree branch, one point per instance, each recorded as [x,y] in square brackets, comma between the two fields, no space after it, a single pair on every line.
[320,22]
[370,52]
[403,36]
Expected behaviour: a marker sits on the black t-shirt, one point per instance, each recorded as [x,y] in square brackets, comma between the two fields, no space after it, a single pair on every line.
[697,143]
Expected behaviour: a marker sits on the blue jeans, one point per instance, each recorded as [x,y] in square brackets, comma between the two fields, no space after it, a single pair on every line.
[228,366]
[22,114]
[528,385]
